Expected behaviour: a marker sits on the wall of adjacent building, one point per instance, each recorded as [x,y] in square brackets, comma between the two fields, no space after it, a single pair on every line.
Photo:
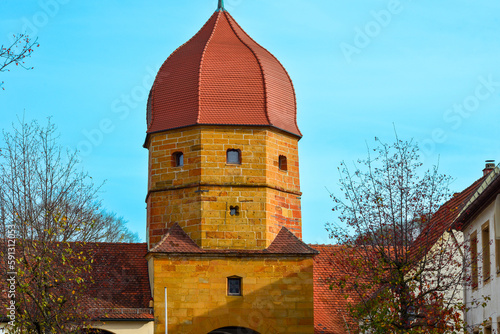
[277,294]
[491,287]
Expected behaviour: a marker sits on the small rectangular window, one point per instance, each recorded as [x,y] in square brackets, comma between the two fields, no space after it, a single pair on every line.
[234,286]
[178,159]
[233,156]
[282,163]
[473,259]
[485,241]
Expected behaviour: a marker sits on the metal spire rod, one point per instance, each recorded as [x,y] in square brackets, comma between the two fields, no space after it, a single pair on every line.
[221,5]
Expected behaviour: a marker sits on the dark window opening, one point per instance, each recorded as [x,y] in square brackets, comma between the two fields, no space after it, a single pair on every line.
[234,210]
[282,163]
[233,156]
[234,286]
[178,159]
[485,239]
[497,256]
[473,256]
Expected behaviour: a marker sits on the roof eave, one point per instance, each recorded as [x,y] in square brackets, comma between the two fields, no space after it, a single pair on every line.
[481,202]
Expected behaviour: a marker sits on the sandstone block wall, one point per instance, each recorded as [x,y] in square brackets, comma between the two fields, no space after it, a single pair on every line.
[199,195]
[277,294]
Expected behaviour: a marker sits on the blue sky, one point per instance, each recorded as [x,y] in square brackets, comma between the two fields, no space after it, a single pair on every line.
[429,67]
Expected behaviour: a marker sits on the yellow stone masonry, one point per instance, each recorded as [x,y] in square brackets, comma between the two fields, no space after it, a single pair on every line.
[200,194]
[277,294]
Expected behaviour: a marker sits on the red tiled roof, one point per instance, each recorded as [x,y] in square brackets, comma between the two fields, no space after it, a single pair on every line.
[442,220]
[121,283]
[176,241]
[330,316]
[222,76]
[120,287]
[330,306]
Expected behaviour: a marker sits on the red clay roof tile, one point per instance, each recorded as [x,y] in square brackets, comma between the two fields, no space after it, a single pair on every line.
[222,76]
[121,281]
[330,306]
[120,287]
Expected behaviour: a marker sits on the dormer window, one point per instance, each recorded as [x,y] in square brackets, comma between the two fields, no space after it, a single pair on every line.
[178,159]
[282,163]
[233,156]
[234,286]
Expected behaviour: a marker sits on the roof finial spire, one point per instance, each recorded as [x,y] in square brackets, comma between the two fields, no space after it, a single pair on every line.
[221,5]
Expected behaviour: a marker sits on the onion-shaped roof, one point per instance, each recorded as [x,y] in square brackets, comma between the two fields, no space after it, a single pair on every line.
[221,76]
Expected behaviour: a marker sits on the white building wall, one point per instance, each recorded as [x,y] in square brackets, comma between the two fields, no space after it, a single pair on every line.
[490,288]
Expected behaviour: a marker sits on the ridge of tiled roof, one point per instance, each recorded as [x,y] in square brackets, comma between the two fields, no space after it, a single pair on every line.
[221,76]
[176,241]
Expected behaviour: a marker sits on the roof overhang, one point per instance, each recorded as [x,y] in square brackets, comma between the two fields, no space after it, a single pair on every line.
[487,193]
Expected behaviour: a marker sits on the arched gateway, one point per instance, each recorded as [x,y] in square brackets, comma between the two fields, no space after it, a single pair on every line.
[233,330]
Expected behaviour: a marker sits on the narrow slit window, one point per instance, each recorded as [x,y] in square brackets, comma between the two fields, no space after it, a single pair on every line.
[233,157]
[485,241]
[178,159]
[282,163]
[234,286]
[473,258]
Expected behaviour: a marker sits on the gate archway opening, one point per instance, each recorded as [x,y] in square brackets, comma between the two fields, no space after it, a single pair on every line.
[233,330]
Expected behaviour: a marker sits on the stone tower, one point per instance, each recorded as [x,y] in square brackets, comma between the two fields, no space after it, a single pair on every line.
[226,107]
[223,203]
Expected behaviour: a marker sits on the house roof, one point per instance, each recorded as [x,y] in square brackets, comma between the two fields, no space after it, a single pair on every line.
[121,283]
[485,193]
[176,241]
[330,304]
[221,76]
[442,220]
[119,288]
